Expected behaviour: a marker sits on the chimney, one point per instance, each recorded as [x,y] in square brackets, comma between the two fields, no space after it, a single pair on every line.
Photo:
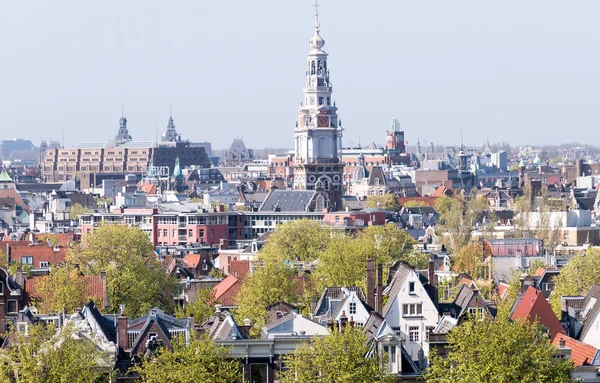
[431,272]
[343,321]
[122,324]
[379,297]
[371,283]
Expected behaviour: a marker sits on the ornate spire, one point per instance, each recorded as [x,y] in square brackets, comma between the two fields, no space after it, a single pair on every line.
[317,41]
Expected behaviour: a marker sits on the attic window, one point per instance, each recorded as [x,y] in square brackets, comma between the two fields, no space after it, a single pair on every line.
[352,308]
[22,327]
[152,335]
[411,287]
[44,264]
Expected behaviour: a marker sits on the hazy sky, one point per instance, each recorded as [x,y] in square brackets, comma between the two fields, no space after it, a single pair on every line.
[518,70]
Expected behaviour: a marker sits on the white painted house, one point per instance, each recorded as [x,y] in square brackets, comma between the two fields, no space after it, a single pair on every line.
[410,311]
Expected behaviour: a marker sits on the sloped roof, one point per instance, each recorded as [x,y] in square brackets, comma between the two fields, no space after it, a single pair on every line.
[336,293]
[582,354]
[288,200]
[592,299]
[534,306]
[398,279]
[4,177]
[239,269]
[377,174]
[94,288]
[227,290]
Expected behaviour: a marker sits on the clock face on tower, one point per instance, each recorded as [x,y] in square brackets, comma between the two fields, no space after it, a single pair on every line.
[323,122]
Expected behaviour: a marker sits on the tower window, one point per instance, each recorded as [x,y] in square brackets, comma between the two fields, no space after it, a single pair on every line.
[320,100]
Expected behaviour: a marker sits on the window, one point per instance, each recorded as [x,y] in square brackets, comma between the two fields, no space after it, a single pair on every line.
[1,288]
[152,335]
[212,233]
[190,233]
[44,264]
[397,330]
[164,232]
[201,235]
[174,233]
[12,307]
[27,260]
[411,287]
[352,308]
[412,309]
[413,334]
[22,327]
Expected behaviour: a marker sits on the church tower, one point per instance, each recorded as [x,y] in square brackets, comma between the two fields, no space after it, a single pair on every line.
[123,134]
[171,135]
[318,134]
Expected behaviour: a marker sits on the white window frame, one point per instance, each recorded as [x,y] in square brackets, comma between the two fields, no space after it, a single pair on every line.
[414,334]
[352,308]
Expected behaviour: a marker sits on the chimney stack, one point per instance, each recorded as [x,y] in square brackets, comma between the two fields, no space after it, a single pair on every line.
[343,321]
[122,324]
[379,297]
[371,283]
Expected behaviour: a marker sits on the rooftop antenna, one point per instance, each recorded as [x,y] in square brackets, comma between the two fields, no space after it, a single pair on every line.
[122,110]
[170,112]
[63,136]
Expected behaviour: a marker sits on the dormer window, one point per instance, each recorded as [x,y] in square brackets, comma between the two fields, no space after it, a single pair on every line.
[352,308]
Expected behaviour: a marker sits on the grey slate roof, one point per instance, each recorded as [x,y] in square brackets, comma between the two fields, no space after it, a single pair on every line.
[400,275]
[377,173]
[335,293]
[592,299]
[288,200]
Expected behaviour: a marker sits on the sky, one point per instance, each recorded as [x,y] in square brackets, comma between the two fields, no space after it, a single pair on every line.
[522,71]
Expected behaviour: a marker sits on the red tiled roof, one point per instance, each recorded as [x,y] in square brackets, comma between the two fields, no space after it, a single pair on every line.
[226,291]
[191,260]
[539,272]
[239,269]
[40,253]
[63,239]
[533,306]
[582,354]
[148,188]
[502,289]
[94,288]
[429,201]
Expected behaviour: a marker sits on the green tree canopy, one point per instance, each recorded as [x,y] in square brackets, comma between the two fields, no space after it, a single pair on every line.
[386,201]
[133,274]
[385,243]
[200,361]
[43,356]
[201,309]
[576,277]
[458,217]
[61,289]
[301,240]
[272,283]
[76,210]
[336,358]
[498,351]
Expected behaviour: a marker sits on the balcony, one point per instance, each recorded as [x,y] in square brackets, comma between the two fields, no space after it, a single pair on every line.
[182,224]
[182,238]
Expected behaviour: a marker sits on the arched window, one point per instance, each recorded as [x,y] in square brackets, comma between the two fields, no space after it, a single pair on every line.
[312,68]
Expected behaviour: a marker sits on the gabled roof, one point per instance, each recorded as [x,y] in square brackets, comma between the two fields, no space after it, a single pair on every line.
[152,318]
[534,306]
[228,329]
[106,326]
[336,293]
[582,354]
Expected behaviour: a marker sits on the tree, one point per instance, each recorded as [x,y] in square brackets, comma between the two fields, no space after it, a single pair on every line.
[272,283]
[200,361]
[498,351]
[386,243]
[76,210]
[576,277]
[201,309]
[337,358]
[387,201]
[469,259]
[42,355]
[134,277]
[415,204]
[301,240]
[458,217]
[341,264]
[61,289]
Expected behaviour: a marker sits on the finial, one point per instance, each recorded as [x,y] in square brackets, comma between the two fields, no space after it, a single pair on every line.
[170,112]
[122,111]
[316,14]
